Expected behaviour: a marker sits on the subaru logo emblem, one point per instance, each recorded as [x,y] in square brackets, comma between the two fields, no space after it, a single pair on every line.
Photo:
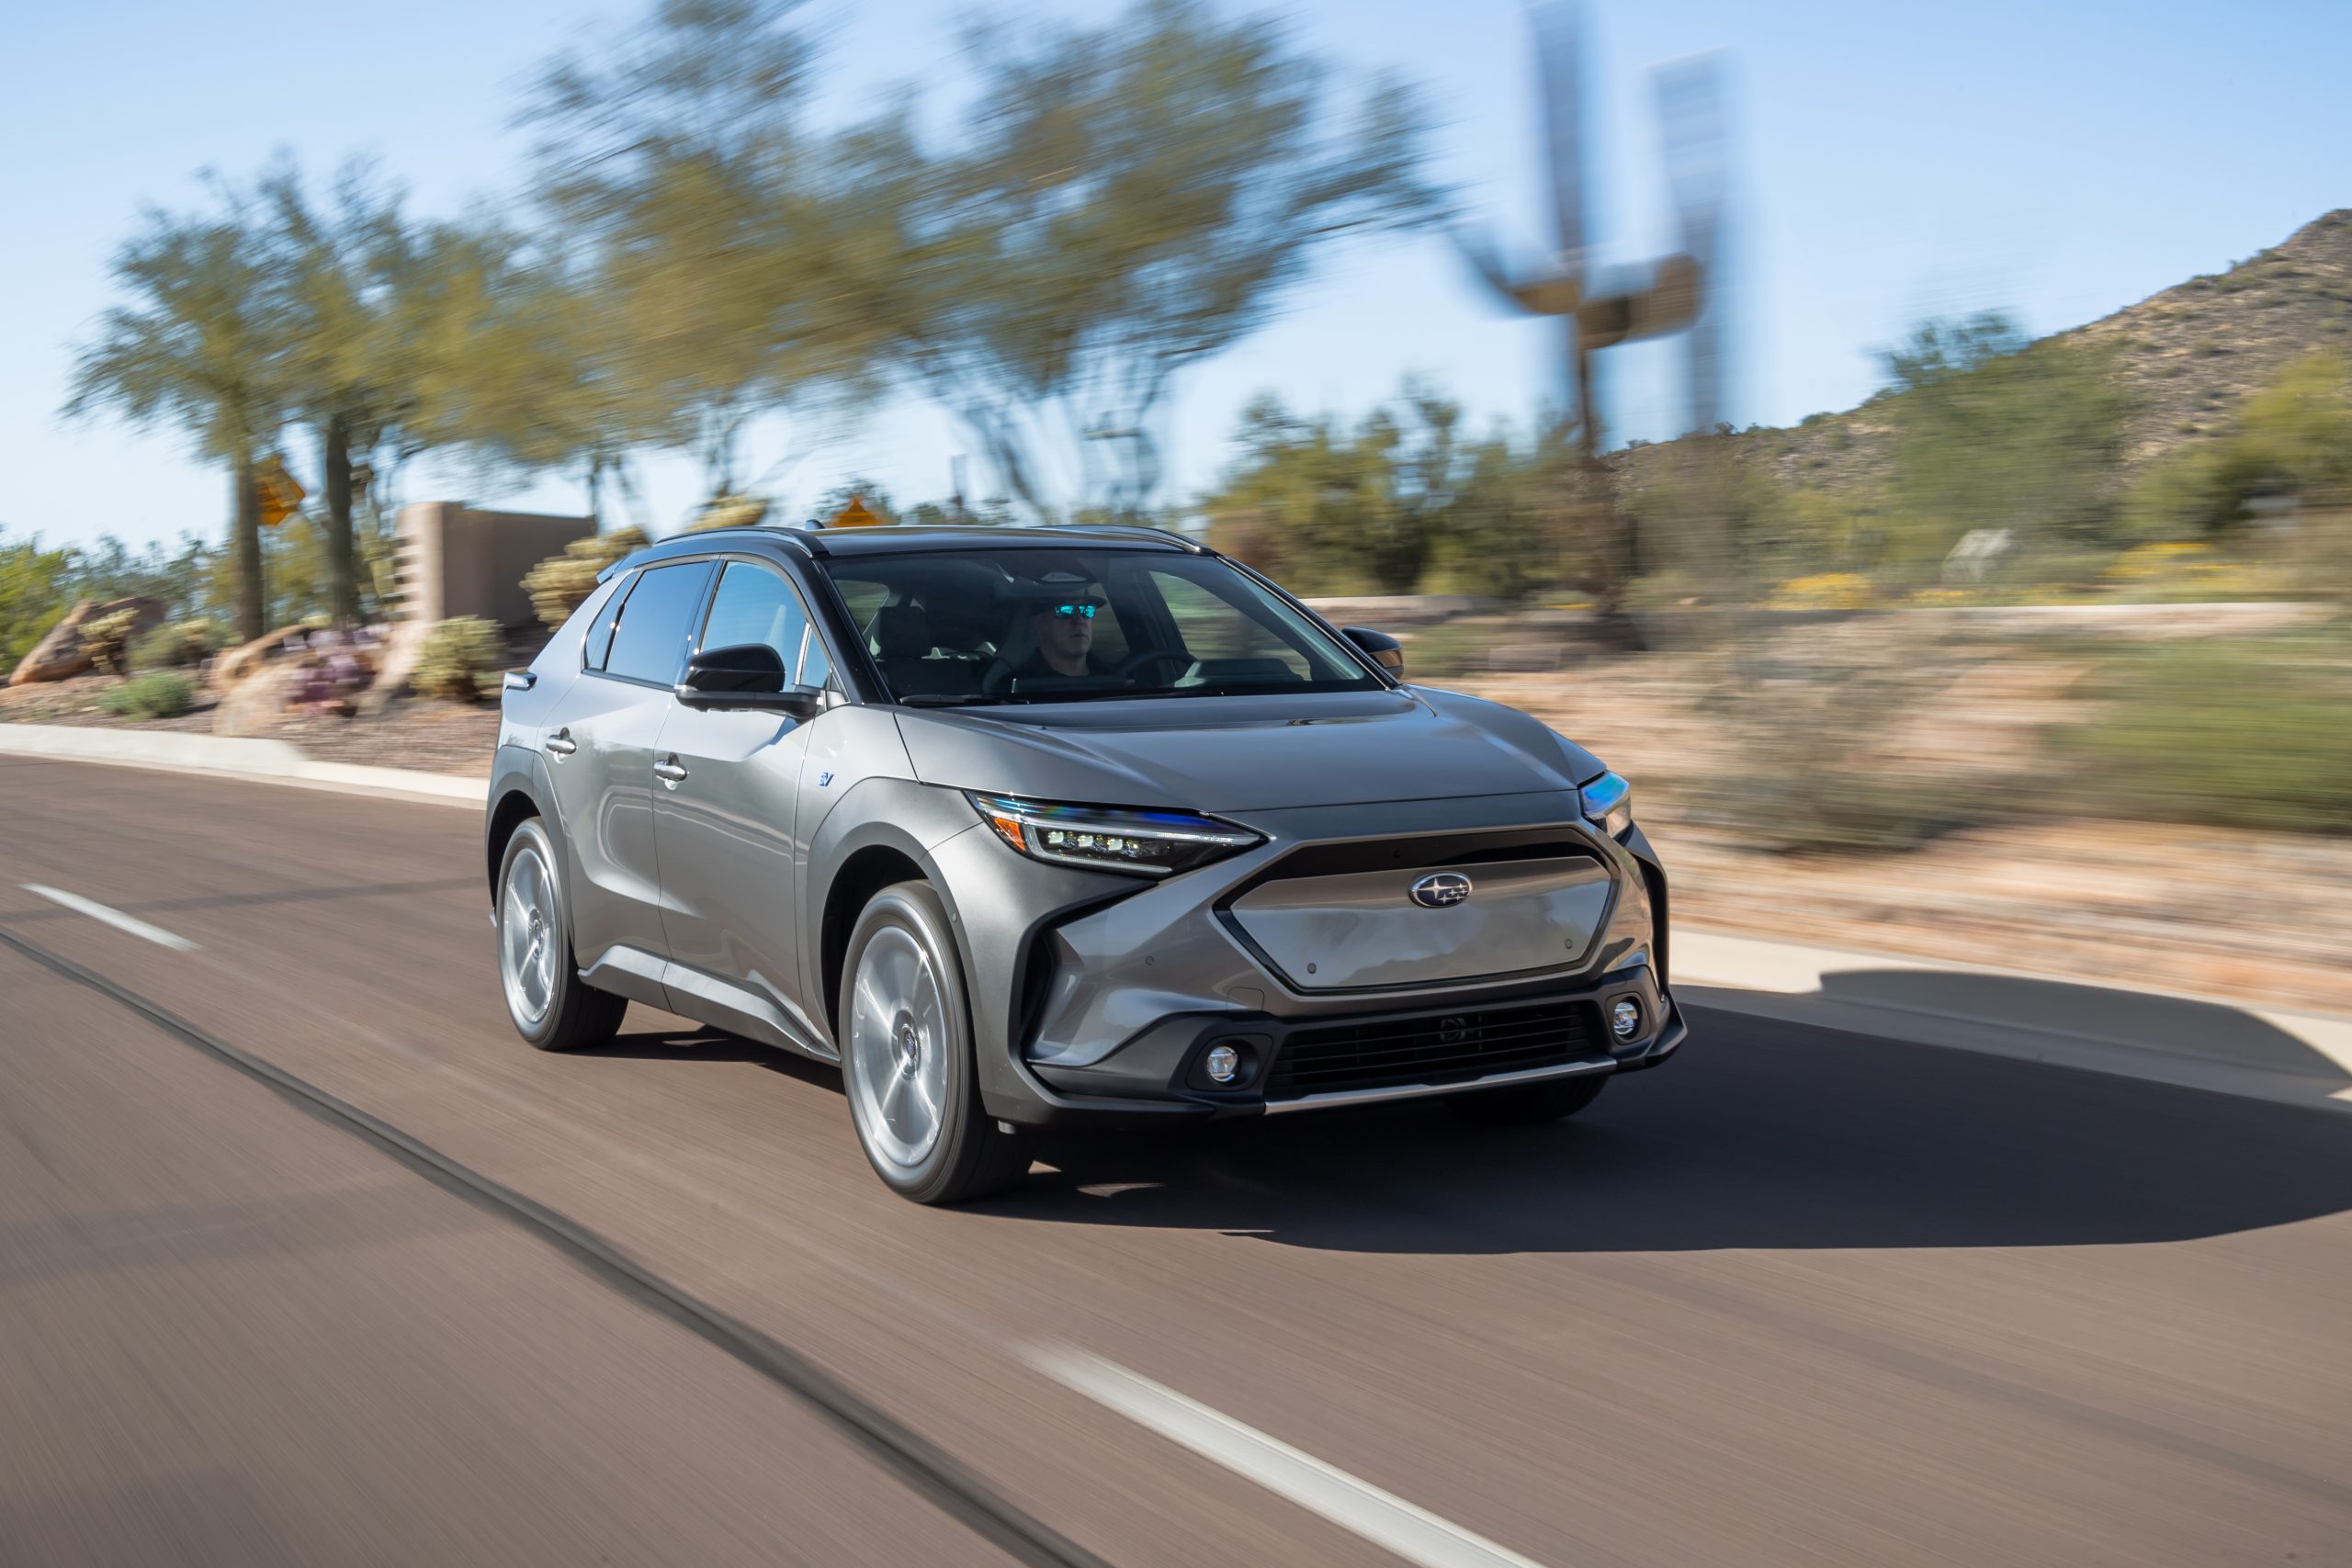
[1440,890]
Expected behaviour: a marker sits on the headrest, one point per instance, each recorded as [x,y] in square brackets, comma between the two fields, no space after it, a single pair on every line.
[902,631]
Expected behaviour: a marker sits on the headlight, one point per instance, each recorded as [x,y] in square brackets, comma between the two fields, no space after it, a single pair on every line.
[1608,800]
[1147,843]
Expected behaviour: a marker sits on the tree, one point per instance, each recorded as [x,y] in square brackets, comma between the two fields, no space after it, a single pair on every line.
[351,367]
[1334,510]
[35,592]
[691,196]
[1123,201]
[199,348]
[1993,433]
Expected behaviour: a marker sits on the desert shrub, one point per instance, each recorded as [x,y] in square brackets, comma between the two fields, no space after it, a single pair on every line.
[2250,732]
[177,645]
[106,638]
[456,655]
[158,694]
[1824,757]
[560,584]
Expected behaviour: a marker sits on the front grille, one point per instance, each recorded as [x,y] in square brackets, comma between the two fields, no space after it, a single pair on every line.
[1439,1049]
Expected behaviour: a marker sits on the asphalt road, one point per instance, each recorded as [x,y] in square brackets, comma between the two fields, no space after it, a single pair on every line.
[305,1258]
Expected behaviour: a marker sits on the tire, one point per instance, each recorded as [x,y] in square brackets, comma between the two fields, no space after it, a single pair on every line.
[907,1063]
[1528,1104]
[546,1000]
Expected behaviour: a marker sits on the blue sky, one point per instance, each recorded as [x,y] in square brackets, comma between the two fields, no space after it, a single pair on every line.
[1895,161]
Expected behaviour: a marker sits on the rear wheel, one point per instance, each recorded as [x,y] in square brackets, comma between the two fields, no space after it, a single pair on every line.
[1529,1103]
[907,1062]
[550,1005]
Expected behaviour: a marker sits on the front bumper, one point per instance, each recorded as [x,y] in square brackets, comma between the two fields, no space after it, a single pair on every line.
[1327,1061]
[1108,1006]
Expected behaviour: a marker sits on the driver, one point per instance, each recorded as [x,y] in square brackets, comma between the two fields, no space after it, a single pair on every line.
[1063,626]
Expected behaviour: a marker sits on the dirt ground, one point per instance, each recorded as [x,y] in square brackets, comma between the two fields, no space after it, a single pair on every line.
[2259,917]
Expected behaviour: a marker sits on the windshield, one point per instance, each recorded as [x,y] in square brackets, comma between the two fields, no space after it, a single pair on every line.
[1029,625]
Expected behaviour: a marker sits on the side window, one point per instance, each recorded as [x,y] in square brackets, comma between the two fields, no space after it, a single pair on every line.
[755,604]
[657,617]
[599,640]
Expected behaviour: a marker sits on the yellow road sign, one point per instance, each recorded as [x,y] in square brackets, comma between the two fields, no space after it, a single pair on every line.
[280,497]
[855,515]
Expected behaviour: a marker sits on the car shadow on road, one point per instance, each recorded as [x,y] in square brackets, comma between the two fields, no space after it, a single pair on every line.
[2185,1026]
[1761,1134]
[688,1043]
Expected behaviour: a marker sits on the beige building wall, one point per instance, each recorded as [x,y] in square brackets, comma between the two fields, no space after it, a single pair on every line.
[457,561]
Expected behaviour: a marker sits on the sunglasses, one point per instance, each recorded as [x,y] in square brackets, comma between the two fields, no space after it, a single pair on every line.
[1065,612]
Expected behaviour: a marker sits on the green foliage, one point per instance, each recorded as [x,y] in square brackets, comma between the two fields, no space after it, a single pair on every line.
[716,228]
[458,656]
[560,584]
[1336,511]
[2293,437]
[201,348]
[1993,433]
[1123,199]
[177,645]
[36,589]
[2242,733]
[158,694]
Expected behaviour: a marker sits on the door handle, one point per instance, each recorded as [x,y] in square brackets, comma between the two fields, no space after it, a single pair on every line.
[562,743]
[668,771]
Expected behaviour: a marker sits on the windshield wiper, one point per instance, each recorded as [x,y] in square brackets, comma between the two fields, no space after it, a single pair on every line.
[955,699]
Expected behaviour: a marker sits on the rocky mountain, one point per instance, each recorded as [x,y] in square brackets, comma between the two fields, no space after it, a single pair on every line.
[2187,357]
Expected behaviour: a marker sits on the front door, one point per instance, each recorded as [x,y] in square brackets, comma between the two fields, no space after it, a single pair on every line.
[725,817]
[599,746]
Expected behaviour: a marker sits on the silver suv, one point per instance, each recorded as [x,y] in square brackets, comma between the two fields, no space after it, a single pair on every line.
[1035,828]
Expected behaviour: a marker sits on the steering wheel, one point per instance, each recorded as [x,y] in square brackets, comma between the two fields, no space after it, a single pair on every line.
[1144,658]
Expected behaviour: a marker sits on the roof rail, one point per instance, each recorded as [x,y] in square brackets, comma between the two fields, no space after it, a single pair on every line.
[1145,530]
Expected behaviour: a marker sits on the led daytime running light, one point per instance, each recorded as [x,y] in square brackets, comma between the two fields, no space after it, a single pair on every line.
[1148,843]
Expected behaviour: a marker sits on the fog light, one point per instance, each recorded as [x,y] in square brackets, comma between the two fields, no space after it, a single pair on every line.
[1625,1019]
[1224,1064]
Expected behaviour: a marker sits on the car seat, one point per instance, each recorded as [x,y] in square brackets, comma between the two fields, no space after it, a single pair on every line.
[902,647]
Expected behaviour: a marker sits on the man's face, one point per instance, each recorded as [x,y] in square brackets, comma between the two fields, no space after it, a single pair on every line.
[1064,639]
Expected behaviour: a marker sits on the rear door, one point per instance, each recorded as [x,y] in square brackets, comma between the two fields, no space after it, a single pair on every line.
[725,817]
[599,743]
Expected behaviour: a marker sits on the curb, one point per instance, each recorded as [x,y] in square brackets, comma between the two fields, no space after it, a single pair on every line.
[267,761]
[2294,1058]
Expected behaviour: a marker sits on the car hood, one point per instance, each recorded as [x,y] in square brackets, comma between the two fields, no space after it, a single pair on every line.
[1246,753]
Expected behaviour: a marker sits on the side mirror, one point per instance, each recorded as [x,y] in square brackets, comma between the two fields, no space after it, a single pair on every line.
[1384,650]
[749,675]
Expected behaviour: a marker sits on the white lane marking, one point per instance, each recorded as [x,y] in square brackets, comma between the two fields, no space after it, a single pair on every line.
[114,917]
[1412,1533]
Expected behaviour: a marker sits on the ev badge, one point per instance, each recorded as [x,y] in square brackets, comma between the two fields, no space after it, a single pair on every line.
[1440,890]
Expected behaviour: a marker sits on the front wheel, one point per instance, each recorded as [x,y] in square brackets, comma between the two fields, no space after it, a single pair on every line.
[907,1063]
[550,1005]
[1529,1103]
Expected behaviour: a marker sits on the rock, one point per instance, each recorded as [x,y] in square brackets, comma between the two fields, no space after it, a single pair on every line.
[233,667]
[1981,551]
[395,661]
[61,653]
[255,704]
